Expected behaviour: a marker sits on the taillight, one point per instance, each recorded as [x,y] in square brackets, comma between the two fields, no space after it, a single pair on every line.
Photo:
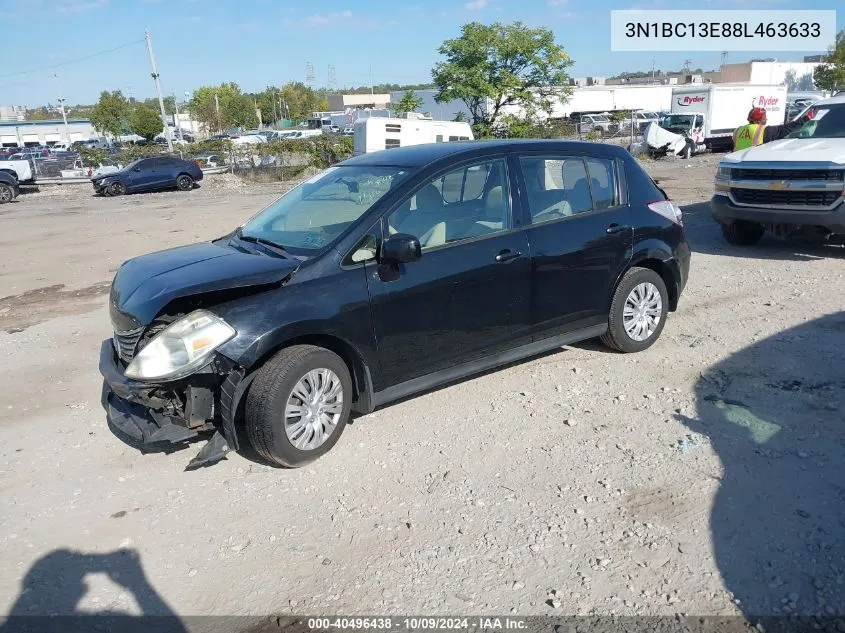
[668,210]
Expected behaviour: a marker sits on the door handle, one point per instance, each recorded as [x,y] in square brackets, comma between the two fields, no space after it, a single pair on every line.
[507,255]
[616,228]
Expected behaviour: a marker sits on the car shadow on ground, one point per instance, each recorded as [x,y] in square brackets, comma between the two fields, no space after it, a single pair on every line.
[705,236]
[55,586]
[773,414]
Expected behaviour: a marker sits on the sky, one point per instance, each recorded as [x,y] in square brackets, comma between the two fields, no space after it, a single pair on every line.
[76,48]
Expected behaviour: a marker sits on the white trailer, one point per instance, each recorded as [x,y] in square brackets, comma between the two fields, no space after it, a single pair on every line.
[716,110]
[378,133]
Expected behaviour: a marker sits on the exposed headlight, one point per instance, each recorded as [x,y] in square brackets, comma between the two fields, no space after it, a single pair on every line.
[723,172]
[181,348]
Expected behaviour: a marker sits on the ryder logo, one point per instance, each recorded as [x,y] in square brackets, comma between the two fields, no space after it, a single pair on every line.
[688,101]
[766,102]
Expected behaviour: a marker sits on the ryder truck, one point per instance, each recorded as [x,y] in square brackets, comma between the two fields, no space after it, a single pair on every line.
[716,110]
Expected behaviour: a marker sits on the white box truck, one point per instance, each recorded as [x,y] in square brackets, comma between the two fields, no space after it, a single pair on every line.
[378,133]
[709,113]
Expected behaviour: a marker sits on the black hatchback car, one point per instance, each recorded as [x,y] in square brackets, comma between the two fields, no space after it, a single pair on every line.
[149,174]
[384,276]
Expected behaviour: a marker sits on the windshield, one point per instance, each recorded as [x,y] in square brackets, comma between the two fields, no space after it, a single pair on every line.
[312,215]
[133,164]
[822,121]
[677,120]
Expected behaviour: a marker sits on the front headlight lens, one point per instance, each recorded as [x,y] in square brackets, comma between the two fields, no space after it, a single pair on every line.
[181,348]
[723,172]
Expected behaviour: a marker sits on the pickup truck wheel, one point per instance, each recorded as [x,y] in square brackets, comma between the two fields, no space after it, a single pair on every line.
[116,189]
[184,182]
[7,194]
[298,405]
[743,232]
[638,311]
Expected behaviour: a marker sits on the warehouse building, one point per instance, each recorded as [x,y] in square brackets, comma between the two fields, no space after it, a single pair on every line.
[31,133]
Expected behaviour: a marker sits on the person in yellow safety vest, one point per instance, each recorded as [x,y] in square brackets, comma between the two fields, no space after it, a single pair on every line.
[757,132]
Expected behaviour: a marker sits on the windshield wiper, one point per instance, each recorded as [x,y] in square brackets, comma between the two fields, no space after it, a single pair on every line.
[277,248]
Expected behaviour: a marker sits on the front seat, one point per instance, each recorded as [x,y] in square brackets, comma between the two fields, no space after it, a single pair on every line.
[424,222]
[494,213]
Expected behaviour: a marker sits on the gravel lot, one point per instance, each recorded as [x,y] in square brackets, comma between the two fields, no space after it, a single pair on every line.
[703,476]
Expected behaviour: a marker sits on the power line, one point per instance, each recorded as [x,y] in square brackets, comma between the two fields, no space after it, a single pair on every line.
[72,61]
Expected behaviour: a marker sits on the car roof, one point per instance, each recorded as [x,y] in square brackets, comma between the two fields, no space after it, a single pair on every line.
[425,154]
[840,98]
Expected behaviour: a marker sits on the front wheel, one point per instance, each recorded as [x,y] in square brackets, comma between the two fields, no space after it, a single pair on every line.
[298,405]
[638,311]
[116,189]
[743,232]
[184,182]
[7,194]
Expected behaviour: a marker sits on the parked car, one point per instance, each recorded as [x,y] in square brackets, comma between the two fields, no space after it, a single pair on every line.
[9,187]
[149,174]
[599,123]
[793,187]
[388,274]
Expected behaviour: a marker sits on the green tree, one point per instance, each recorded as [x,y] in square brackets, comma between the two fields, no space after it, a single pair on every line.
[298,101]
[831,74]
[111,113]
[491,67]
[146,122]
[460,116]
[410,102]
[235,108]
[38,114]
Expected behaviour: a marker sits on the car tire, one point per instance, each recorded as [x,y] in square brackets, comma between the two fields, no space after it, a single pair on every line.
[743,232]
[184,182]
[116,189]
[638,311]
[7,194]
[272,400]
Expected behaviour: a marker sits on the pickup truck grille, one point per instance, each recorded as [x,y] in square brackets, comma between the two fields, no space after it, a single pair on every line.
[785,198]
[828,175]
[126,342]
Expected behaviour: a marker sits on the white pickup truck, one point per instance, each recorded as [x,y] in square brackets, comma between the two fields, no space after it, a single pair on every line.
[22,169]
[791,187]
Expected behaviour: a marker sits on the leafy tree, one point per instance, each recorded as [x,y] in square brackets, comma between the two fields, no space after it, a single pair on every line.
[110,114]
[832,73]
[491,67]
[410,102]
[460,116]
[236,109]
[146,122]
[169,104]
[38,114]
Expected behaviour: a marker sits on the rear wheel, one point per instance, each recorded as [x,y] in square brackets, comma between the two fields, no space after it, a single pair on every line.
[184,182]
[638,311]
[743,232]
[298,405]
[7,194]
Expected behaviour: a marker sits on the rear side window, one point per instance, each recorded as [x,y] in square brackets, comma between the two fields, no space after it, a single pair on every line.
[556,186]
[602,174]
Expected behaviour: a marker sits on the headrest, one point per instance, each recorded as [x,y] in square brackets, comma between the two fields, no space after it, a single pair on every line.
[429,198]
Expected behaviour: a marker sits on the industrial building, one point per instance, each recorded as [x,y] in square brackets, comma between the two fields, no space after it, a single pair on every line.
[342,102]
[30,133]
[12,113]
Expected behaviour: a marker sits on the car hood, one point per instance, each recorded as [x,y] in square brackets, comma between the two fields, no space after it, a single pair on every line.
[144,285]
[822,150]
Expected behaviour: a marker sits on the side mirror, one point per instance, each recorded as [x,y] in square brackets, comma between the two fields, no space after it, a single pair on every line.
[400,248]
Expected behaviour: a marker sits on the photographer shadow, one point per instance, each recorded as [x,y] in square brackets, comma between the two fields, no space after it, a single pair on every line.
[55,585]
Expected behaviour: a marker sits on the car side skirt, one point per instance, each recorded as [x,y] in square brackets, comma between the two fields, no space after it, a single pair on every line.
[436,379]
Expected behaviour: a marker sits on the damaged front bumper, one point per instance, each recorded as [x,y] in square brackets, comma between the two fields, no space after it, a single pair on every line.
[170,415]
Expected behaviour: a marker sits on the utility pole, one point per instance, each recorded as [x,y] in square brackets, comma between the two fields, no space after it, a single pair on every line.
[158,90]
[62,106]
[217,109]
[371,81]
[178,124]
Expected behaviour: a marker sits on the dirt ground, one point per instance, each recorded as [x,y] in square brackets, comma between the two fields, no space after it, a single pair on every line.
[703,476]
